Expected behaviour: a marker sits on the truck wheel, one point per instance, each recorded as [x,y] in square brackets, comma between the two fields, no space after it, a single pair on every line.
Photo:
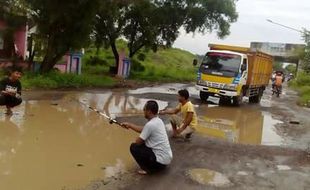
[252,99]
[204,96]
[255,99]
[224,101]
[237,100]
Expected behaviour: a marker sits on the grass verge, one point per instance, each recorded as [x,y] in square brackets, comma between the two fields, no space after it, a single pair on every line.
[165,65]
[56,80]
[302,85]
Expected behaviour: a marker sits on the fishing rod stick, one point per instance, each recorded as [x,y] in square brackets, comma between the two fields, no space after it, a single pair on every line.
[111,120]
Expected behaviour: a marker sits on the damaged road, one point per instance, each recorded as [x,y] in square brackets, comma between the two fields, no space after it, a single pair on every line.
[66,146]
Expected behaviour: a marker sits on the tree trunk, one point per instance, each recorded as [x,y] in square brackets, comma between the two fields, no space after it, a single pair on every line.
[116,56]
[46,66]
[51,57]
[133,51]
[97,51]
[49,62]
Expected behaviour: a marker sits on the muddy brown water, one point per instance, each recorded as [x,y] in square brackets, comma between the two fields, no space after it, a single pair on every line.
[240,125]
[62,144]
[208,177]
[57,143]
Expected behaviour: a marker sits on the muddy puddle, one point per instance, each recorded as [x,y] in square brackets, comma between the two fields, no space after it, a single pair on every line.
[53,142]
[209,177]
[60,144]
[243,125]
[116,104]
[165,89]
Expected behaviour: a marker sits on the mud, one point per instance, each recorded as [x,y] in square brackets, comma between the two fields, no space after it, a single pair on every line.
[209,177]
[52,142]
[239,125]
[48,145]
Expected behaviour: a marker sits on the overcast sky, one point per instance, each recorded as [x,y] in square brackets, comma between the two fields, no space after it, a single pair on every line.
[252,25]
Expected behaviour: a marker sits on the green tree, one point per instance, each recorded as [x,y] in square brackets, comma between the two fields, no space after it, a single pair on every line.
[14,7]
[109,24]
[291,68]
[306,55]
[277,66]
[149,24]
[65,25]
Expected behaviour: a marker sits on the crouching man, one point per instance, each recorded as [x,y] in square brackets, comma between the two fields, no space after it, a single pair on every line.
[10,90]
[152,149]
[185,125]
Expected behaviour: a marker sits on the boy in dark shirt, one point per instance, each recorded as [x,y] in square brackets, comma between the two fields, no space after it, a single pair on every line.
[10,90]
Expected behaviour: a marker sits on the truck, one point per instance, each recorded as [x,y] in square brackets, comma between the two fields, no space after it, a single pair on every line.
[233,72]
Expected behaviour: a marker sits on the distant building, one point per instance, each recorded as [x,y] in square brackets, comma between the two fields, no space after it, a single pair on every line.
[277,49]
[285,53]
[13,42]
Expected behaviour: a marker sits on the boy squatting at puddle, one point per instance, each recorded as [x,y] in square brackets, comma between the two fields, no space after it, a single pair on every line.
[10,90]
[183,127]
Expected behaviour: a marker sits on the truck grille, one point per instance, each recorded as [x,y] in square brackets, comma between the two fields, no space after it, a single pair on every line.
[211,84]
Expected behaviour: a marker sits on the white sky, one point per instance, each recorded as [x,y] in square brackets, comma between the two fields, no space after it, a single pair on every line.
[252,25]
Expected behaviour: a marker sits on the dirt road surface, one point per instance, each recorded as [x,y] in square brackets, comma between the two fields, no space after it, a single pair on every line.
[53,142]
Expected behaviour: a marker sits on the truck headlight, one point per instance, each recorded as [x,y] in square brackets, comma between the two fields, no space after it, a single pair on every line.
[231,86]
[201,82]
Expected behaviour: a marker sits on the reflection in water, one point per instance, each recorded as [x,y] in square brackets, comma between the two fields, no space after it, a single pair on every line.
[239,125]
[270,136]
[117,105]
[170,89]
[209,177]
[17,118]
[41,146]
[163,89]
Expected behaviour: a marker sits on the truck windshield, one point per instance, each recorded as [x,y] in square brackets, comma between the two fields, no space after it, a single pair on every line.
[223,64]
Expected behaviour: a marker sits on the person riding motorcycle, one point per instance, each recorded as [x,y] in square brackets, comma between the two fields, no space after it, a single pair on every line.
[278,82]
[273,79]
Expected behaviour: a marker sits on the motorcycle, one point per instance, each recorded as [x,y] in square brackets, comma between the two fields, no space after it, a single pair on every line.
[277,90]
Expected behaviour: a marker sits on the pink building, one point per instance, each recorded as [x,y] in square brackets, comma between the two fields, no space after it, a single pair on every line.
[7,52]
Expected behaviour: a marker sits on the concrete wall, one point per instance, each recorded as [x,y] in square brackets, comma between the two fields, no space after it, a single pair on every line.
[20,40]
[2,27]
[277,49]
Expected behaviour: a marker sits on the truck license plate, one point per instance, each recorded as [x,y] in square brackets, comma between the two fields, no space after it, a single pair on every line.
[213,90]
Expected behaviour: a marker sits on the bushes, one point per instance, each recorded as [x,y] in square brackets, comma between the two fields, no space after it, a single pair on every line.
[166,74]
[96,61]
[166,65]
[57,80]
[136,66]
[302,85]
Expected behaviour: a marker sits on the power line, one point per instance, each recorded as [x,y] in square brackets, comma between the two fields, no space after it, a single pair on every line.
[288,27]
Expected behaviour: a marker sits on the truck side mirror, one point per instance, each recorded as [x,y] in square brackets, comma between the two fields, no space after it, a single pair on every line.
[244,65]
[195,62]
